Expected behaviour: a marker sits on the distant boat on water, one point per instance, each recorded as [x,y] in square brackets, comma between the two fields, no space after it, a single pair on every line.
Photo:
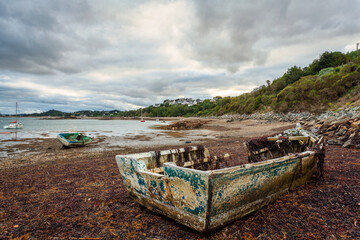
[142,120]
[14,124]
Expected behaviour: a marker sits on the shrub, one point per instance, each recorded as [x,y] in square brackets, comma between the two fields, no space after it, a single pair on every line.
[325,71]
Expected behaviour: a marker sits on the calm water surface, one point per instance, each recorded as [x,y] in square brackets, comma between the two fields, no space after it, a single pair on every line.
[35,127]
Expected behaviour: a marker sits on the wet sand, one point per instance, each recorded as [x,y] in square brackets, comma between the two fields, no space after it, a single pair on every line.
[28,151]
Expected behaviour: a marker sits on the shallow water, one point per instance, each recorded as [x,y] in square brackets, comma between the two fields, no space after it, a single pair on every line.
[38,128]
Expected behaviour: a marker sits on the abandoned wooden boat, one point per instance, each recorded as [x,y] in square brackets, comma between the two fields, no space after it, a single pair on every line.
[74,139]
[204,200]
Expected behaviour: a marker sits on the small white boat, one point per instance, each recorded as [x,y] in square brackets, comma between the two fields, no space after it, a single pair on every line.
[14,124]
[142,119]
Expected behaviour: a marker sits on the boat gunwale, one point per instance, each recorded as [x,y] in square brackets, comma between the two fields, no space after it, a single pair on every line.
[222,170]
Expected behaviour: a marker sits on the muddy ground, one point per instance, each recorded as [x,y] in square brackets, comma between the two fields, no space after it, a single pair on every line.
[76,194]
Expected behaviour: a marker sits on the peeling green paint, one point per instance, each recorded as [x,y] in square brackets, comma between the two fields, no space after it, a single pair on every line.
[196,180]
[205,200]
[153,183]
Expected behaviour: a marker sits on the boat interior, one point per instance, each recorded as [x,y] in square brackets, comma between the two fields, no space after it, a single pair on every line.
[195,157]
[198,157]
[262,149]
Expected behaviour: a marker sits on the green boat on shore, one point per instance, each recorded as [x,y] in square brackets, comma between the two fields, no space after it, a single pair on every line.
[74,139]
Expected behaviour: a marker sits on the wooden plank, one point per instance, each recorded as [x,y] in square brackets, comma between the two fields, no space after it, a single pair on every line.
[186,164]
[291,138]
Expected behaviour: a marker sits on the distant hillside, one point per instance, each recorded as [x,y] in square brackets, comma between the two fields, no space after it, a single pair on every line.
[327,83]
[86,113]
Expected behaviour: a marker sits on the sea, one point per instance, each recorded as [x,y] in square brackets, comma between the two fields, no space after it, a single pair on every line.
[44,128]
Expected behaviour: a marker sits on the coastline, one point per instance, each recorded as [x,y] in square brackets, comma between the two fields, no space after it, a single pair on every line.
[212,130]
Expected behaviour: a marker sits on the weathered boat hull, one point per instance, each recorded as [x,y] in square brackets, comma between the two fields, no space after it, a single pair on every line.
[206,200]
[239,191]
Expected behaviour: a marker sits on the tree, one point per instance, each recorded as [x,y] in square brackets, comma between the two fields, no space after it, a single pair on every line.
[293,74]
[327,59]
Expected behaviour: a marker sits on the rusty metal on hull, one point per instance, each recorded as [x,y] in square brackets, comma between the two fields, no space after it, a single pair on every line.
[206,200]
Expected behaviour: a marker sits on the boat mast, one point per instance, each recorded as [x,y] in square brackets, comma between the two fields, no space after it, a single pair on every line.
[16,114]
[16,124]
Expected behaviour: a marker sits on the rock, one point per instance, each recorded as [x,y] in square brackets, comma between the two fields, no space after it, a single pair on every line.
[334,142]
[355,124]
[343,138]
[331,128]
[314,130]
[347,144]
[341,131]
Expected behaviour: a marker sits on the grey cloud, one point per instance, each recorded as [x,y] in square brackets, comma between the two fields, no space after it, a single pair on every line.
[39,38]
[59,44]
[253,28]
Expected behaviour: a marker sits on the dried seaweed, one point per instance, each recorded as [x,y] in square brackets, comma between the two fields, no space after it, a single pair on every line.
[82,197]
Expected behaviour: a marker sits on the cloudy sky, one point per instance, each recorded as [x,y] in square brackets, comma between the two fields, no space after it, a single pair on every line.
[125,54]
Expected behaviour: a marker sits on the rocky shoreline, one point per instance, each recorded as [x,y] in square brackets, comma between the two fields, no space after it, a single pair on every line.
[341,127]
[343,113]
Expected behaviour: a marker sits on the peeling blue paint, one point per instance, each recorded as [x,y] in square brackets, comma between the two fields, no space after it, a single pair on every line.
[141,181]
[153,183]
[193,178]
[196,211]
[162,187]
[203,200]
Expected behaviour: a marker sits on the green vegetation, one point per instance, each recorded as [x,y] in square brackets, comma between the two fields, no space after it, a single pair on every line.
[313,88]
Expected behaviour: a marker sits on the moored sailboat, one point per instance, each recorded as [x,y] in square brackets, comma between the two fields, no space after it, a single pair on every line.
[14,124]
[142,119]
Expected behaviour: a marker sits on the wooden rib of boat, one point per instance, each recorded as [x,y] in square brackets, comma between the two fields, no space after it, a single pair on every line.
[206,200]
[74,139]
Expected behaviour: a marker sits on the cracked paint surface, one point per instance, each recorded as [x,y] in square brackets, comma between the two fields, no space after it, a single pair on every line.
[206,200]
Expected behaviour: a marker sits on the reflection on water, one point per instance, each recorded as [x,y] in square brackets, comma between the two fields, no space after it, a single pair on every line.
[37,128]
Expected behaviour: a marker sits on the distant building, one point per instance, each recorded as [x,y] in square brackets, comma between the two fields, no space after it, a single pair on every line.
[258,88]
[182,101]
[214,99]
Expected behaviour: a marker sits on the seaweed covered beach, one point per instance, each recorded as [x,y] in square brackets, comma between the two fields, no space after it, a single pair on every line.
[77,194]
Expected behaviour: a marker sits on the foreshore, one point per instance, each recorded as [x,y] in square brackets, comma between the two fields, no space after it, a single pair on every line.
[51,192]
[26,151]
